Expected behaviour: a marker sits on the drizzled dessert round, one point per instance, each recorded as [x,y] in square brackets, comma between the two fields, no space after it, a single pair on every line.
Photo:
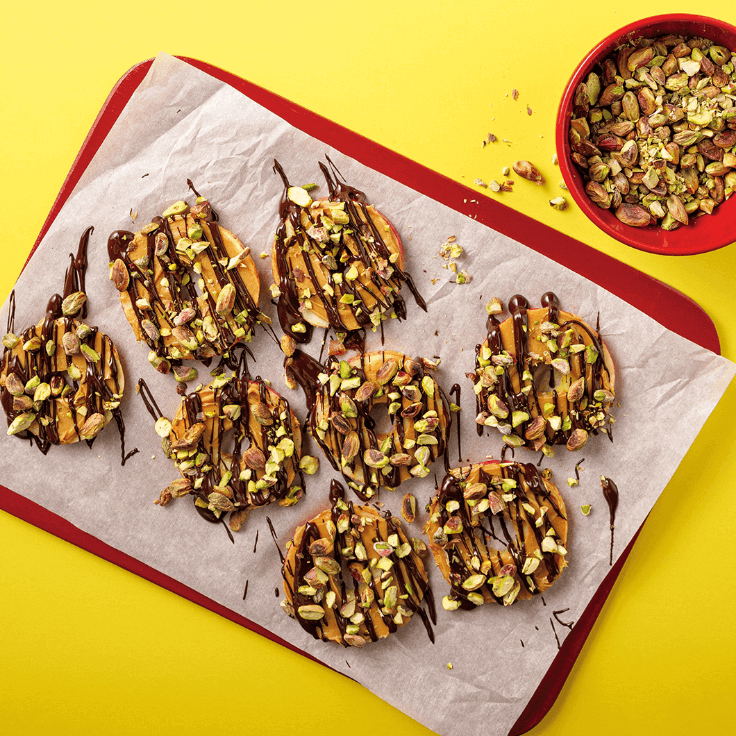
[61,380]
[188,286]
[238,446]
[497,532]
[344,396]
[543,377]
[336,261]
[385,586]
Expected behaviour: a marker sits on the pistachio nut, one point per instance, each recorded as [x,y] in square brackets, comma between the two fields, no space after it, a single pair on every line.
[119,274]
[309,464]
[528,171]
[21,423]
[73,303]
[92,427]
[409,508]
[225,299]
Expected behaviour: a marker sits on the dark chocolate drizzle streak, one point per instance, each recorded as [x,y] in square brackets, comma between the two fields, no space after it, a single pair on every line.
[359,244]
[406,574]
[503,371]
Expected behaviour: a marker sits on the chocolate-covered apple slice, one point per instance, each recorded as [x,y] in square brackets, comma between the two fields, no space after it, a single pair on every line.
[188,286]
[237,445]
[341,397]
[337,261]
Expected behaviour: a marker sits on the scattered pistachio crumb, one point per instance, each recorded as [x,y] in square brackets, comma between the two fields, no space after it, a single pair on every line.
[563,185]
[449,665]
[586,508]
[264,254]
[572,482]
[558,203]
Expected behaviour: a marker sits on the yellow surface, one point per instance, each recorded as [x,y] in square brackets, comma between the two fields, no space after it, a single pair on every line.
[88,648]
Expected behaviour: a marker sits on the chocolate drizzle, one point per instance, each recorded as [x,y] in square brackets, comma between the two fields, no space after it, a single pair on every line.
[509,505]
[376,598]
[178,317]
[263,465]
[610,493]
[550,385]
[333,257]
[84,390]
[340,396]
[456,389]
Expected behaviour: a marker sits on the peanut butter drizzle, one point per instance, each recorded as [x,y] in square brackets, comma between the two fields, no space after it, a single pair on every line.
[368,248]
[100,397]
[506,528]
[583,414]
[322,405]
[407,573]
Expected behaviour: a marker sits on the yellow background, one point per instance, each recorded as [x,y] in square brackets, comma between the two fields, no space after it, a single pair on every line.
[88,648]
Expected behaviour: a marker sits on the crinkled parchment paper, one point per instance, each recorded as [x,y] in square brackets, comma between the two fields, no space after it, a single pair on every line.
[182,123]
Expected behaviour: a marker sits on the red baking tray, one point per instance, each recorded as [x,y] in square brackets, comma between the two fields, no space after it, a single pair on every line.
[666,305]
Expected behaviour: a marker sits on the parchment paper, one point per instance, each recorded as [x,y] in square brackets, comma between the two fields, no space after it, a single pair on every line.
[182,123]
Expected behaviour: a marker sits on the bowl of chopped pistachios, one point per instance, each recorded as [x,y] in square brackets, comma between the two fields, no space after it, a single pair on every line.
[646,134]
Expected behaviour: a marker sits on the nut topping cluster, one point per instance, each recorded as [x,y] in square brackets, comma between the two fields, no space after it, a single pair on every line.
[336,261]
[61,379]
[654,130]
[495,504]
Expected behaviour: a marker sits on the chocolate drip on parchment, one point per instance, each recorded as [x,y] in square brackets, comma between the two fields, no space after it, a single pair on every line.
[518,412]
[610,493]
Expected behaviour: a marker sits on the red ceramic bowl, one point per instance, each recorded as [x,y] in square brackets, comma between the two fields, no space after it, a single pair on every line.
[703,234]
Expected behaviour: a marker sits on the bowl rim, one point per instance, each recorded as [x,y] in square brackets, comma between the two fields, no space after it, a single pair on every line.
[691,243]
